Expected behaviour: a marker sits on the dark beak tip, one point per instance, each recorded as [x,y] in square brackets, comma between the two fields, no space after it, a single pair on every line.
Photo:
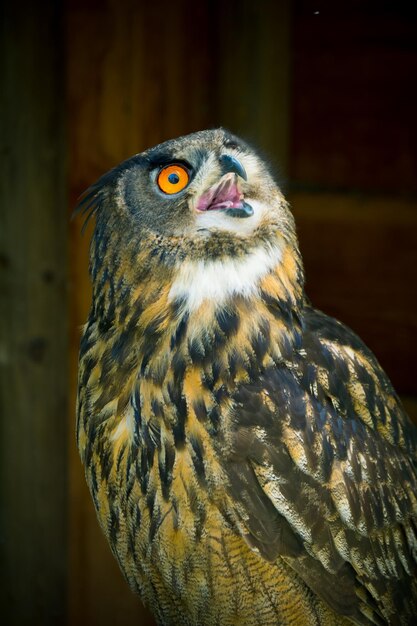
[230,164]
[244,211]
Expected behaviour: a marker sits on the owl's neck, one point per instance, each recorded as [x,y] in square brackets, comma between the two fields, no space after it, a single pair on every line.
[173,351]
[236,316]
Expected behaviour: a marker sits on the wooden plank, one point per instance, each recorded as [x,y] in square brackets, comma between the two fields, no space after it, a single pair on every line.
[354,95]
[253,74]
[34,317]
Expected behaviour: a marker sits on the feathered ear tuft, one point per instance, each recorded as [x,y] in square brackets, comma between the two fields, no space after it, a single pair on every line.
[88,205]
[91,199]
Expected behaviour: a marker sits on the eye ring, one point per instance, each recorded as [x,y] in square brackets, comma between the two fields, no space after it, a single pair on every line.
[173,178]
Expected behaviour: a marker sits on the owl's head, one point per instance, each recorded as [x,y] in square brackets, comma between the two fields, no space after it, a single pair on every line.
[202,198]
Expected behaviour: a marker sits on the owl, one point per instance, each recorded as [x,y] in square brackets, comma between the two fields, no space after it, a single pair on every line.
[248,458]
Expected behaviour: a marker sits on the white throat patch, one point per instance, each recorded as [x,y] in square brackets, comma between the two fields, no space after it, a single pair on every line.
[218,280]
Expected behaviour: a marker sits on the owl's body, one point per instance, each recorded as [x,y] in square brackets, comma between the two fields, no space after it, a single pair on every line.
[247,456]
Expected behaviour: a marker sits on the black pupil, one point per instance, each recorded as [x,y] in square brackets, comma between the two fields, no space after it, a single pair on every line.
[174,178]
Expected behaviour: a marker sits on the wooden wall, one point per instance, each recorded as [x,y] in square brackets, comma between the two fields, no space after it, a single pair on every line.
[327,92]
[34,317]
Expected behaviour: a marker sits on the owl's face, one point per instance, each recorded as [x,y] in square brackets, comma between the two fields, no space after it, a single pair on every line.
[200,215]
[205,187]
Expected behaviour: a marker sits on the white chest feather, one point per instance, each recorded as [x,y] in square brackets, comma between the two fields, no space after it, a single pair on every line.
[219,280]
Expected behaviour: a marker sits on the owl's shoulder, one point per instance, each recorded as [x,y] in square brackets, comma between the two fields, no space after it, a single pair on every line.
[337,367]
[322,468]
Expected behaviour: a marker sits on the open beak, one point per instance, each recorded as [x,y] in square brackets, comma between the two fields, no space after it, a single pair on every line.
[226,195]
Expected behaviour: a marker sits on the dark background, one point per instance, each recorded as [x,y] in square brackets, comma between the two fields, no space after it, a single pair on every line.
[327,90]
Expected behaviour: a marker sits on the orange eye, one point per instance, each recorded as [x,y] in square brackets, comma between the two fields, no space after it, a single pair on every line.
[173,178]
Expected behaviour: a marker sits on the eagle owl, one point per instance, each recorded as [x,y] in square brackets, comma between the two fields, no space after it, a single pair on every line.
[247,457]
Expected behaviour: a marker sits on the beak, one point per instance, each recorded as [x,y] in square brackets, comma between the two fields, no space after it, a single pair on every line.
[225,196]
[231,165]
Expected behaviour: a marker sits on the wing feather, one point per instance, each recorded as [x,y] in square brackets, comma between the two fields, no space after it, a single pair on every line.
[322,470]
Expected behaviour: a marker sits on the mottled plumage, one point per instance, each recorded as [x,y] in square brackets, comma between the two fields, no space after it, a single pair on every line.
[247,456]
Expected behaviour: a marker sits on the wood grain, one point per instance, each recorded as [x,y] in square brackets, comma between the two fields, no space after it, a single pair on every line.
[354,95]
[34,320]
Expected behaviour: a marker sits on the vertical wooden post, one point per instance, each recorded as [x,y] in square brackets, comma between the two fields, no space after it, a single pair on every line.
[33,331]
[253,90]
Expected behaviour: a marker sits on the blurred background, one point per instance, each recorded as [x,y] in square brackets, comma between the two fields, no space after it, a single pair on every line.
[326,90]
